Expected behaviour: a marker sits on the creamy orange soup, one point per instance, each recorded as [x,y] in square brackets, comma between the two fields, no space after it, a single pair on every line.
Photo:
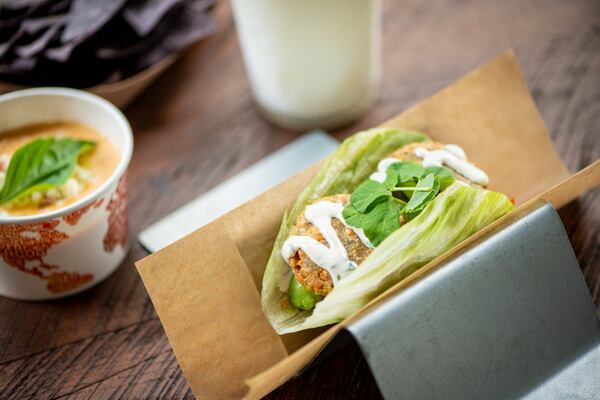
[100,162]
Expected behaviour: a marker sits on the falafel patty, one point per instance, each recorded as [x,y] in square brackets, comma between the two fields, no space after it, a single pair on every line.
[309,274]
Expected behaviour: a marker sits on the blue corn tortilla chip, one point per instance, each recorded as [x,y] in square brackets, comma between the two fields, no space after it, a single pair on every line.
[6,46]
[188,23]
[144,15]
[33,25]
[20,4]
[31,49]
[86,17]
[82,43]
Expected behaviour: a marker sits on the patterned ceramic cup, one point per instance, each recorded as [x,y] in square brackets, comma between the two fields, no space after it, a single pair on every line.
[68,250]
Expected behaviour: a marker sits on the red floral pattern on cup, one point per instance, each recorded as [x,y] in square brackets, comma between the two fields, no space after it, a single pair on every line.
[24,247]
[117,218]
[74,217]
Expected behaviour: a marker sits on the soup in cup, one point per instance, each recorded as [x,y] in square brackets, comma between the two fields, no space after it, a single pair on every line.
[63,205]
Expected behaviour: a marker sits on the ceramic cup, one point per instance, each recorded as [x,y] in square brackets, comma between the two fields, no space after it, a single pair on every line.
[65,251]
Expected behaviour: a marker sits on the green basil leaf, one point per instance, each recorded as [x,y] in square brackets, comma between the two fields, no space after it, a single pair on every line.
[41,164]
[419,199]
[407,171]
[444,175]
[379,222]
[367,193]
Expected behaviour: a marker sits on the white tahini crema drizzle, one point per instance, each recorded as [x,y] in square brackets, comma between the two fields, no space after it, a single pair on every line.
[334,259]
[451,155]
[454,157]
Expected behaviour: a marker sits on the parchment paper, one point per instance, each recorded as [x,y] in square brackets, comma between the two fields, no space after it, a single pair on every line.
[206,286]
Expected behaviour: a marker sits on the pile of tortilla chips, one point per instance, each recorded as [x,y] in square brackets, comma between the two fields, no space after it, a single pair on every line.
[83,43]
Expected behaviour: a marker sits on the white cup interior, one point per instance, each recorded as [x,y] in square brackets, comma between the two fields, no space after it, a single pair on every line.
[47,105]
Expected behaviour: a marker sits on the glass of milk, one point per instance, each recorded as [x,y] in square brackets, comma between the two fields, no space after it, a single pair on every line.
[311,63]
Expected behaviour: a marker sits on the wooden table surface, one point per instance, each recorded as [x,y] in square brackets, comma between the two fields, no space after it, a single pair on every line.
[197,125]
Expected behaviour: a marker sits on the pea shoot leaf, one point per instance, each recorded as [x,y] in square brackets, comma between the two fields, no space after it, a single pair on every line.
[405,171]
[391,177]
[377,207]
[421,198]
[367,193]
[443,175]
[379,222]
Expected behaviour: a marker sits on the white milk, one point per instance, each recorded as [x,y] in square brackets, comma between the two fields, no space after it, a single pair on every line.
[311,63]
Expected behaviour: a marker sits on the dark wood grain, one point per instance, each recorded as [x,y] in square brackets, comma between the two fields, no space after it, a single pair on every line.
[197,125]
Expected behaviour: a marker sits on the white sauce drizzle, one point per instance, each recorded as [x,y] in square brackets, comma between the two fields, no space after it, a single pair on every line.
[454,157]
[456,150]
[334,259]
[451,155]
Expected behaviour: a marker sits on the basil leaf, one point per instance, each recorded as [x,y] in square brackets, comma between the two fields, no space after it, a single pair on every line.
[367,193]
[419,199]
[444,175]
[40,165]
[406,171]
[379,222]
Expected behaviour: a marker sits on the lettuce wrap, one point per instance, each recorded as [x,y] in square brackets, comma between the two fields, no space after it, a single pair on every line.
[455,214]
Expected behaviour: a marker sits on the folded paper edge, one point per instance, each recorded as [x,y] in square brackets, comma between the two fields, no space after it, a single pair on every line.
[268,354]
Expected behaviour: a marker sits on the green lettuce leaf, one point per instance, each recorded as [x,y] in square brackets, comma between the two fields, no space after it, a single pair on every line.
[453,216]
[450,218]
[343,171]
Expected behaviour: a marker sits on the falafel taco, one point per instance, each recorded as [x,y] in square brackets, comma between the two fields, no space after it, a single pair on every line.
[387,202]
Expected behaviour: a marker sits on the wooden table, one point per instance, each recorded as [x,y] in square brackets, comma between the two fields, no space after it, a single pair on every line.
[197,125]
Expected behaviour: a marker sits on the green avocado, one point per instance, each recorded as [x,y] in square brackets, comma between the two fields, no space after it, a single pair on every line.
[301,297]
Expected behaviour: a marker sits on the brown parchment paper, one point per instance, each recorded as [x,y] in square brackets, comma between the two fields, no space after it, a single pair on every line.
[206,286]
